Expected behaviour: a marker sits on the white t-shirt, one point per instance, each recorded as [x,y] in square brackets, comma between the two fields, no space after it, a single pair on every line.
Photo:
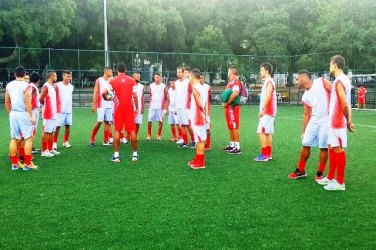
[64,93]
[157,96]
[16,90]
[271,108]
[172,93]
[140,93]
[182,93]
[336,117]
[103,85]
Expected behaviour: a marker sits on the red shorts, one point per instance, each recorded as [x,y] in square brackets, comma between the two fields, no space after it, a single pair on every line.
[361,100]
[124,121]
[232,117]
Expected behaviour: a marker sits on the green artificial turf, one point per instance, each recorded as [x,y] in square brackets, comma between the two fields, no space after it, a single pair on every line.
[80,199]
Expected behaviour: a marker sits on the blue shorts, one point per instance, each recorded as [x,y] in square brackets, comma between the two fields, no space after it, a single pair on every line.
[64,119]
[49,125]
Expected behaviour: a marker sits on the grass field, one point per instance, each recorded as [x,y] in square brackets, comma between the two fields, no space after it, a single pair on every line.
[82,200]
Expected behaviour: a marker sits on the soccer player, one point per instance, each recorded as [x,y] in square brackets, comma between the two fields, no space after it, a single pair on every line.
[102,107]
[21,119]
[339,121]
[124,112]
[198,111]
[232,112]
[362,91]
[141,100]
[171,110]
[158,93]
[207,101]
[35,104]
[64,95]
[49,113]
[267,113]
[187,74]
[182,96]
[315,122]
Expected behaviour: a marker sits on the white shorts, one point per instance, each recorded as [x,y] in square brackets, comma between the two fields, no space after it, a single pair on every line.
[63,119]
[36,116]
[208,125]
[182,116]
[20,125]
[105,114]
[337,137]
[49,125]
[139,118]
[172,118]
[199,133]
[266,125]
[155,115]
[316,134]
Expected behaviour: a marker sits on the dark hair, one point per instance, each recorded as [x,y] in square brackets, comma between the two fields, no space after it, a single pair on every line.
[27,73]
[172,79]
[181,68]
[19,71]
[106,68]
[268,67]
[121,67]
[196,73]
[34,77]
[305,72]
[157,74]
[187,69]
[339,61]
[234,70]
[67,72]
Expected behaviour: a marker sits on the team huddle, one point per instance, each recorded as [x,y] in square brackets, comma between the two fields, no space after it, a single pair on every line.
[120,103]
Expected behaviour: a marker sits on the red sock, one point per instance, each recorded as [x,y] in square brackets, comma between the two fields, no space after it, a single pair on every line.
[149,131]
[55,138]
[264,151]
[192,136]
[110,134]
[14,160]
[93,134]
[208,142]
[44,146]
[105,135]
[173,131]
[180,132]
[66,137]
[128,135]
[21,151]
[321,167]
[332,164]
[269,150]
[301,165]
[341,165]
[185,138]
[27,159]
[200,159]
[121,135]
[159,131]
[50,144]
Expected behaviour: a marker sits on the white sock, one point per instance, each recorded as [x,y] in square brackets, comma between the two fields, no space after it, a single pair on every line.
[135,153]
[232,144]
[116,154]
[237,145]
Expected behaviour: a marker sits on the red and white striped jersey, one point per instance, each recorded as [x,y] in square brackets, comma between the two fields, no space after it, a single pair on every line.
[34,98]
[103,85]
[16,90]
[207,96]
[197,114]
[64,95]
[183,94]
[157,95]
[271,108]
[317,98]
[336,117]
[49,108]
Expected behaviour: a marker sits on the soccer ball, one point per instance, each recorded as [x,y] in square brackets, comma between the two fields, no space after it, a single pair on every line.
[109,96]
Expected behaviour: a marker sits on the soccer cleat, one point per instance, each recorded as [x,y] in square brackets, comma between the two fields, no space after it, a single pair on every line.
[47,153]
[122,140]
[54,145]
[66,145]
[297,174]
[192,145]
[184,145]
[159,138]
[107,143]
[227,148]
[134,157]
[26,168]
[111,140]
[173,139]
[54,152]
[197,165]
[15,167]
[192,162]
[269,157]
[180,141]
[319,176]
[33,166]
[115,159]
[35,151]
[335,186]
[234,151]
[261,158]
[324,181]
[148,138]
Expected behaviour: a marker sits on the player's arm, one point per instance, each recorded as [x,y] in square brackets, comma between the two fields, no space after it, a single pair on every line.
[306,117]
[135,100]
[167,103]
[43,94]
[208,104]
[165,98]
[269,92]
[95,96]
[7,102]
[327,84]
[345,106]
[232,97]
[142,102]
[29,108]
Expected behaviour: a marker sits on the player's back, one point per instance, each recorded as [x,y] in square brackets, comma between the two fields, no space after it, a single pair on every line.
[182,95]
[197,115]
[16,90]
[124,87]
[172,94]
[271,108]
[317,98]
[336,117]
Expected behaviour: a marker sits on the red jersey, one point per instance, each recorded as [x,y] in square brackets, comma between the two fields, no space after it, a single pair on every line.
[124,87]
[235,85]
[362,91]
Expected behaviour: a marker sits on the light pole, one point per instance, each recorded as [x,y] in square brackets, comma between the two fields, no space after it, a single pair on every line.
[106,57]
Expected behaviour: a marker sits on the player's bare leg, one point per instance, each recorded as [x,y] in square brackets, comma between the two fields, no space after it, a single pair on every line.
[13,154]
[323,158]
[133,137]
[159,135]
[66,136]
[148,138]
[56,136]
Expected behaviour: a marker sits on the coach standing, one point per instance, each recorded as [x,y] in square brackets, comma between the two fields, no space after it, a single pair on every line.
[126,107]
[21,118]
